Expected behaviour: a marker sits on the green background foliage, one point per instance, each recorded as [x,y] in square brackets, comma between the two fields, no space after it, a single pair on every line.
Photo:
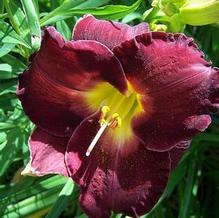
[193,188]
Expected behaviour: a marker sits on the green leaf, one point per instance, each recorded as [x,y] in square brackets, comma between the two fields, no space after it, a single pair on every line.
[63,199]
[6,84]
[3,16]
[18,193]
[106,12]
[10,68]
[9,152]
[5,67]
[1,7]
[3,140]
[8,35]
[8,101]
[82,216]
[92,4]
[6,48]
[16,16]
[5,75]
[186,200]
[16,64]
[175,177]
[66,5]
[38,194]
[31,205]
[6,125]
[33,23]
[132,16]
[63,28]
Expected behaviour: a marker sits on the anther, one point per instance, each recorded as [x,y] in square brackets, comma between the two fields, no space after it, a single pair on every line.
[115,121]
[104,111]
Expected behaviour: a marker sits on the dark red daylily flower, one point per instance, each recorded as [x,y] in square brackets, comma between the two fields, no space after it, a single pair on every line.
[115,109]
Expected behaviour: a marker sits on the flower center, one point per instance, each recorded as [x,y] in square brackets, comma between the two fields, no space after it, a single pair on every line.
[117,111]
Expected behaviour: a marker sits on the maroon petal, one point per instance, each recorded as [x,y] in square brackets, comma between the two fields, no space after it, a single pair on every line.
[177,152]
[111,179]
[177,87]
[47,154]
[109,33]
[77,64]
[54,108]
[52,89]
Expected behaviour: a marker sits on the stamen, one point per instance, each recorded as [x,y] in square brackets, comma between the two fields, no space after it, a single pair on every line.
[114,121]
[96,138]
[116,112]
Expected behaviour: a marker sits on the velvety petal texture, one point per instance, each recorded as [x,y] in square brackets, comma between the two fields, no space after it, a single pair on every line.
[109,181]
[176,86]
[177,152]
[109,33]
[161,87]
[52,89]
[47,154]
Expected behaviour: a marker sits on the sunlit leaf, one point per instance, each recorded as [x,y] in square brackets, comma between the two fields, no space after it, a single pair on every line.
[9,36]
[106,12]
[33,23]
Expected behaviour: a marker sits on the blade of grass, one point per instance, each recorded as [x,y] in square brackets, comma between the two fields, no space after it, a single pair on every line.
[16,64]
[63,28]
[32,204]
[33,187]
[1,7]
[6,48]
[8,35]
[106,12]
[92,4]
[187,198]
[6,84]
[33,23]
[11,15]
[66,5]
[63,199]
[19,23]
[7,102]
